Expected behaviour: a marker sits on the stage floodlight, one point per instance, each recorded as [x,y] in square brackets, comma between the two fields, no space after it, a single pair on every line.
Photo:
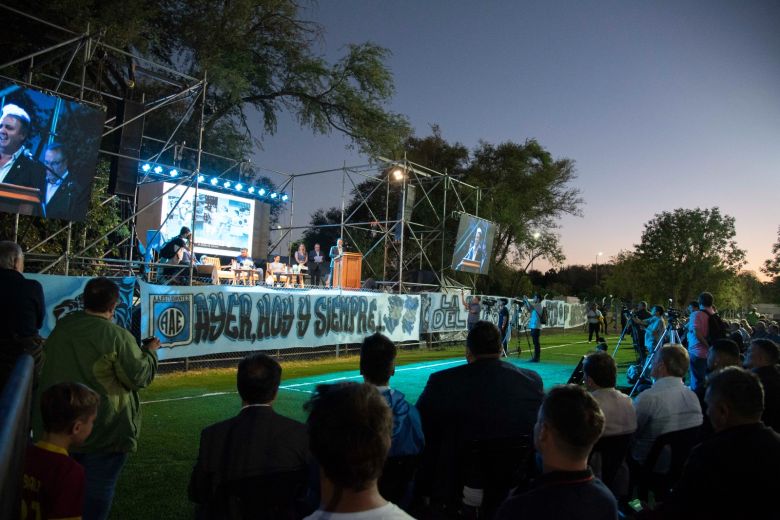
[173,173]
[398,174]
[201,178]
[146,167]
[226,184]
[261,192]
[239,187]
[214,181]
[274,195]
[285,197]
[251,189]
[158,169]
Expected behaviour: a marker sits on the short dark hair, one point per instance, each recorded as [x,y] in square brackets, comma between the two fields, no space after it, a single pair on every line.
[484,338]
[184,231]
[350,426]
[65,403]
[740,389]
[58,147]
[258,378]
[726,346]
[694,304]
[768,347]
[100,294]
[377,355]
[659,308]
[600,367]
[706,299]
[576,418]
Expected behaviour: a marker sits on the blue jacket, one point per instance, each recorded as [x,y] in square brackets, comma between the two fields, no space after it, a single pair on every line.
[407,429]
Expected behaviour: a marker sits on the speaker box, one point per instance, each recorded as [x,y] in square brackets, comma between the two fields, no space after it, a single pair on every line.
[405,207]
[124,171]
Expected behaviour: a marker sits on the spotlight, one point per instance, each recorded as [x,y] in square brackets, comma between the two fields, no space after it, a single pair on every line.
[261,192]
[226,184]
[239,187]
[398,174]
[285,197]
[146,167]
[173,173]
[201,178]
[158,170]
[214,181]
[274,195]
[251,189]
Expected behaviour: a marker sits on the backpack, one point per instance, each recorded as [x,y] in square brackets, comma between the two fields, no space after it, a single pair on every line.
[716,328]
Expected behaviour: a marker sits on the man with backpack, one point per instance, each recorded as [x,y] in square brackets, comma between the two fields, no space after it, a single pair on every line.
[704,328]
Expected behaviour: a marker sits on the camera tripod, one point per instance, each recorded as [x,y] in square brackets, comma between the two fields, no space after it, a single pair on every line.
[629,324]
[674,338]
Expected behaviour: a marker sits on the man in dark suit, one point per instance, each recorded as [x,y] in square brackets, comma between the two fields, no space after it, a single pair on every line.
[254,444]
[485,399]
[316,267]
[16,167]
[22,310]
[64,197]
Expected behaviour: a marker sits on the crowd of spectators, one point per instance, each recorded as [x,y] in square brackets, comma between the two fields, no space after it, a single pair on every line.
[482,441]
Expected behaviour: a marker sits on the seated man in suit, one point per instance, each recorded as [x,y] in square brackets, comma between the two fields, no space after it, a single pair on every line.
[65,197]
[729,474]
[569,424]
[257,442]
[16,166]
[484,399]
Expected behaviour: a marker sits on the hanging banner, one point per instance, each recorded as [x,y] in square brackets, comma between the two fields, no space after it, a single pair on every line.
[63,295]
[442,312]
[199,320]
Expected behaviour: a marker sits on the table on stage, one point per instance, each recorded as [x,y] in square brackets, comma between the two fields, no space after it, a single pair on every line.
[248,274]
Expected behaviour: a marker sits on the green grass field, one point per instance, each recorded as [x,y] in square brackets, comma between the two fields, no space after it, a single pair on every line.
[177,406]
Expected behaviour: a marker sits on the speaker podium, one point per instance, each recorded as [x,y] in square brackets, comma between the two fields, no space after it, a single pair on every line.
[346,271]
[20,199]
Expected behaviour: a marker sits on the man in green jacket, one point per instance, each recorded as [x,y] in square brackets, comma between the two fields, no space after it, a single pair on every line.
[88,348]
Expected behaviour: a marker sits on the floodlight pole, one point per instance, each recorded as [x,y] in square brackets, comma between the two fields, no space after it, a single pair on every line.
[197,173]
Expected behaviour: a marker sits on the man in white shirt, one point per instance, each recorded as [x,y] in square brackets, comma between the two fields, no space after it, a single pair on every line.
[15,165]
[601,378]
[350,428]
[668,405]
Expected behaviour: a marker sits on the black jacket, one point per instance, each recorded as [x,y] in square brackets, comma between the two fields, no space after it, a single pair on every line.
[22,307]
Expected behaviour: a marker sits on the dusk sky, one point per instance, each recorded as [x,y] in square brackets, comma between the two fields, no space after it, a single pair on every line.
[661,104]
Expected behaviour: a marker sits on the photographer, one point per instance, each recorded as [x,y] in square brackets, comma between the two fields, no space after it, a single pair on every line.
[473,307]
[653,327]
[638,328]
[503,323]
[535,323]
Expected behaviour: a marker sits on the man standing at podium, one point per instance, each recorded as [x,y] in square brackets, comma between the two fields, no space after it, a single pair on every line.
[477,253]
[335,253]
[15,166]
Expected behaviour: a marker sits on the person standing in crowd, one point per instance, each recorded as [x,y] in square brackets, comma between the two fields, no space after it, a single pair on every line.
[255,443]
[638,328]
[64,196]
[503,324]
[698,347]
[569,424]
[594,320]
[654,327]
[88,348]
[473,307]
[535,324]
[54,482]
[22,311]
[483,399]
[301,258]
[15,165]
[316,266]
[335,254]
[350,431]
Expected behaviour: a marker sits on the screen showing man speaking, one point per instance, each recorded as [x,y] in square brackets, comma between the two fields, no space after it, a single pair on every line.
[48,152]
[474,245]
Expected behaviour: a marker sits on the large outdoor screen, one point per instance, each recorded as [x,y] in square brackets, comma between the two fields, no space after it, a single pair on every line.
[223,224]
[474,245]
[53,147]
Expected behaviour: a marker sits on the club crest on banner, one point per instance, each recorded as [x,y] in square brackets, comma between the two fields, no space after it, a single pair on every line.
[171,318]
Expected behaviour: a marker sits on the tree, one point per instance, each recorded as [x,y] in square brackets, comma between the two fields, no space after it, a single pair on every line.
[772,265]
[682,253]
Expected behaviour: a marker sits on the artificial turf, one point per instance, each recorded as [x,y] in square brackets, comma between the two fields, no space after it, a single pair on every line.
[177,406]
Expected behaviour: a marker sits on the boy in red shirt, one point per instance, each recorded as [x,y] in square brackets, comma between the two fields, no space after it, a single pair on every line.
[53,485]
